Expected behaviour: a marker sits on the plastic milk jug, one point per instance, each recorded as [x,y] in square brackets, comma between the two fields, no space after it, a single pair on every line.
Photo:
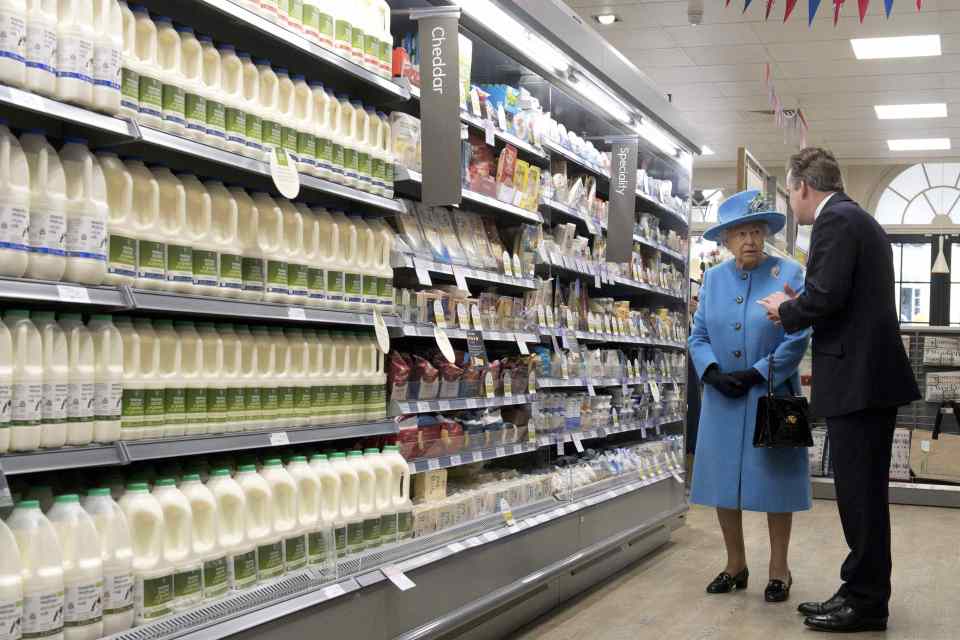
[87,213]
[107,56]
[260,522]
[346,133]
[323,145]
[364,135]
[348,526]
[366,501]
[286,98]
[358,31]
[108,378]
[283,378]
[192,373]
[171,378]
[269,107]
[146,51]
[178,544]
[206,263]
[378,180]
[42,571]
[250,379]
[401,490]
[336,373]
[80,397]
[271,242]
[122,230]
[152,574]
[6,386]
[56,384]
[40,49]
[306,146]
[213,377]
[328,255]
[241,555]
[216,132]
[384,247]
[130,69]
[75,44]
[194,99]
[329,490]
[311,256]
[82,568]
[308,507]
[348,262]
[207,546]
[391,161]
[232,367]
[298,283]
[154,400]
[376,382]
[248,230]
[131,418]
[27,391]
[225,235]
[267,377]
[231,88]
[384,472]
[151,239]
[14,199]
[48,200]
[300,376]
[381,503]
[170,61]
[251,106]
[286,514]
[333,127]
[367,263]
[11,585]
[173,224]
[343,30]
[116,553]
[321,377]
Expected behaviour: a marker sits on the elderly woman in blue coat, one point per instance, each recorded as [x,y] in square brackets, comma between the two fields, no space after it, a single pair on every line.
[730,345]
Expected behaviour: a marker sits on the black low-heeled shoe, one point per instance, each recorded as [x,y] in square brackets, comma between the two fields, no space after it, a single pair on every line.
[778,590]
[725,583]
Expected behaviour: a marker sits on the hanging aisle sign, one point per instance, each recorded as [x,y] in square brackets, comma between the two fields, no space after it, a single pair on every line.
[623,198]
[440,104]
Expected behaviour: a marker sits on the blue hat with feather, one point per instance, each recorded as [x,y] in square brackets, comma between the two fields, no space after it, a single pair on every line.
[744,208]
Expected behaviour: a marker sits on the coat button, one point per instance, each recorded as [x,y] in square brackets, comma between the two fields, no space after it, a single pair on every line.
[738,326]
[744,276]
[739,299]
[737,354]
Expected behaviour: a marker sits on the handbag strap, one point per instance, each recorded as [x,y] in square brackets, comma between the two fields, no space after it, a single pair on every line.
[771,374]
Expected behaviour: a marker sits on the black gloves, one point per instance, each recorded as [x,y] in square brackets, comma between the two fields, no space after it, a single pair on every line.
[748,377]
[724,382]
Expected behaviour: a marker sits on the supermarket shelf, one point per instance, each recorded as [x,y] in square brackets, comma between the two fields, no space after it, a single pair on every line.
[580,381]
[102,126]
[22,289]
[554,148]
[406,261]
[469,457]
[125,452]
[578,266]
[662,208]
[642,286]
[427,331]
[509,138]
[911,493]
[457,404]
[593,226]
[662,248]
[614,338]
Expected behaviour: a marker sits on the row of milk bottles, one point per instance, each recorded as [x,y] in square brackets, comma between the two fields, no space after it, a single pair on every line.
[88,569]
[70,50]
[173,232]
[184,378]
[358,30]
[182,83]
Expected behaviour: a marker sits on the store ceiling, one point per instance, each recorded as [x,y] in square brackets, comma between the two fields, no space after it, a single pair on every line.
[714,72]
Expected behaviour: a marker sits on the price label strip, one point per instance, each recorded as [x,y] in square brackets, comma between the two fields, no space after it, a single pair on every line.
[398,578]
[578,443]
[279,439]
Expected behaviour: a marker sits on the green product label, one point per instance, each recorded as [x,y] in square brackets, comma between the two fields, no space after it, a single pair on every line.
[196,404]
[179,263]
[130,85]
[153,407]
[298,278]
[244,569]
[386,54]
[287,400]
[355,536]
[379,170]
[317,547]
[388,526]
[270,560]
[385,288]
[343,33]
[216,115]
[354,397]
[359,39]
[236,123]
[253,400]
[215,578]
[306,145]
[295,11]
[174,103]
[372,47]
[254,128]
[132,406]
[253,274]
[270,401]
[334,405]
[325,151]
[303,401]
[231,271]
[152,257]
[364,168]
[377,397]
[295,550]
[205,268]
[340,540]
[316,280]
[350,160]
[151,95]
[288,138]
[195,108]
[187,583]
[371,286]
[277,276]
[318,400]
[311,16]
[123,255]
[175,405]
[390,169]
[353,285]
[405,524]
[325,27]
[217,404]
[371,531]
[155,596]
[272,134]
[338,155]
[236,402]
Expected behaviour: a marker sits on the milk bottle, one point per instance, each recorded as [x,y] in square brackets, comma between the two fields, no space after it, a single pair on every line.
[14,196]
[87,213]
[195,101]
[364,137]
[267,377]
[286,525]
[369,486]
[152,573]
[173,225]
[107,52]
[320,13]
[329,488]
[121,225]
[286,107]
[323,235]
[146,50]
[56,387]
[232,538]
[206,263]
[367,264]
[384,494]
[169,59]
[358,32]
[171,378]
[207,546]
[250,379]
[294,18]
[348,526]
[308,502]
[271,242]
[298,283]
[378,180]
[6,384]
[365,505]
[376,382]
[346,263]
[347,133]
[178,552]
[213,377]
[259,519]
[231,88]
[216,133]
[335,139]
[231,375]
[130,70]
[151,239]
[108,378]
[389,158]
[343,397]
[338,386]
[269,107]
[82,568]
[154,399]
[385,58]
[75,41]
[26,402]
[251,107]
[11,584]
[299,377]
[343,30]
[356,395]
[192,373]
[40,49]
[48,225]
[323,146]
[401,491]
[80,398]
[384,247]
[306,146]
[117,559]
[226,239]
[311,256]
[322,377]
[248,228]
[42,570]
[131,418]
[284,378]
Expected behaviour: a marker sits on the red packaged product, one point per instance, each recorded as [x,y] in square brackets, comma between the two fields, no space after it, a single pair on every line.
[399,369]
[450,376]
[428,376]
[431,440]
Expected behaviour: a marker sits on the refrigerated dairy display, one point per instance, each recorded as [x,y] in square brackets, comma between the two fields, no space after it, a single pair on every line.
[196,372]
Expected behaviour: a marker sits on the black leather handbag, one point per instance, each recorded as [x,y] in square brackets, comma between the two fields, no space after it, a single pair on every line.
[783,422]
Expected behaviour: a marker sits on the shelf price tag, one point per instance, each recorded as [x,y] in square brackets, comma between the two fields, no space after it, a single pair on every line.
[507,513]
[490,133]
[68,293]
[433,464]
[423,275]
[500,452]
[455,461]
[522,346]
[560,450]
[380,328]
[423,407]
[398,578]
[279,439]
[508,264]
[333,591]
[590,390]
[461,279]
[655,390]
[283,170]
[296,313]
[443,342]
[578,443]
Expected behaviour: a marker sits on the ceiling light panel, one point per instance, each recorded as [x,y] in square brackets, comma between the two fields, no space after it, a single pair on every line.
[909,111]
[897,47]
[606,19]
[919,144]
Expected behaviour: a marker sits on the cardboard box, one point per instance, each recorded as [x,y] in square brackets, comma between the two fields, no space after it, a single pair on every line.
[935,459]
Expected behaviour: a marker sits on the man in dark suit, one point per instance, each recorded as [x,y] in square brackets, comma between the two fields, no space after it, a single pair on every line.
[861,375]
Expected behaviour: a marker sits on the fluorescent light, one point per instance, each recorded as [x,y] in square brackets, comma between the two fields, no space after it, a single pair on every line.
[654,135]
[606,19]
[919,144]
[593,93]
[907,111]
[898,47]
[706,151]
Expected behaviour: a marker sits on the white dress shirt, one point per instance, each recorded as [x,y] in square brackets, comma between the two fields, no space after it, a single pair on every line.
[823,203]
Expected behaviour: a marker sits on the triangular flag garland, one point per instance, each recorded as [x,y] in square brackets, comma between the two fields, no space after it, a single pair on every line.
[814,5]
[792,121]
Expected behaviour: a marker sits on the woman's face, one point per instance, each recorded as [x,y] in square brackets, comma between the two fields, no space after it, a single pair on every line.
[745,242]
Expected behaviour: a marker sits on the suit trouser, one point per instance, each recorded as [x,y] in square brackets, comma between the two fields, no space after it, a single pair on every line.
[860,447]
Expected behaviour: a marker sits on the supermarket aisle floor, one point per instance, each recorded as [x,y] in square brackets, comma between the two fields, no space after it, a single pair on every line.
[663,596]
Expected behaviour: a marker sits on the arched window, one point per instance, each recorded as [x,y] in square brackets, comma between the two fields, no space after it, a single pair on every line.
[926,193]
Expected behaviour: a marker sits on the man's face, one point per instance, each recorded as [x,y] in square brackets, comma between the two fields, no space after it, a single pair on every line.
[800,201]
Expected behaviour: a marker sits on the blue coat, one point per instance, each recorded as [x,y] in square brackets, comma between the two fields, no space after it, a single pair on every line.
[732,330]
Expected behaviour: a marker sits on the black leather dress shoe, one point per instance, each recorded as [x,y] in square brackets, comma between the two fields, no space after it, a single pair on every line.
[846,619]
[778,590]
[725,583]
[823,608]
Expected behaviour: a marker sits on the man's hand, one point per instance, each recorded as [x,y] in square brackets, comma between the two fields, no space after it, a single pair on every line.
[772,302]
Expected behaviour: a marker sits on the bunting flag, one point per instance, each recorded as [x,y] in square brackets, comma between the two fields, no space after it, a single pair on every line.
[863,7]
[791,121]
[746,5]
[863,4]
[769,8]
[790,5]
[836,10]
[919,5]
[814,5]
[888,5]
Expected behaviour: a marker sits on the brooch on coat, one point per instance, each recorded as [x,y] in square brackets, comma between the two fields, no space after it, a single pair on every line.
[775,271]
